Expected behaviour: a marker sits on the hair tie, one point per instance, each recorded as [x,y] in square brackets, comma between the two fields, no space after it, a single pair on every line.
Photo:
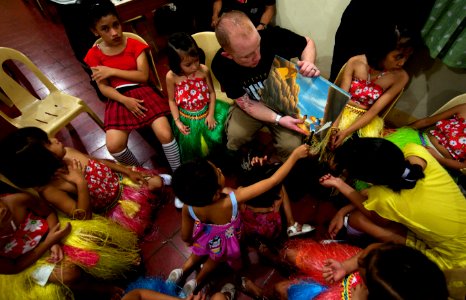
[406,174]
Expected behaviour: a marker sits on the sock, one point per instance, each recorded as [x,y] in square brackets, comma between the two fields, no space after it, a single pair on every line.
[126,157]
[172,153]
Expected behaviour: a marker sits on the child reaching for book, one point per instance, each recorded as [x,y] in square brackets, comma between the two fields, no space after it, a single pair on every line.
[79,185]
[262,215]
[199,119]
[120,68]
[43,259]
[210,222]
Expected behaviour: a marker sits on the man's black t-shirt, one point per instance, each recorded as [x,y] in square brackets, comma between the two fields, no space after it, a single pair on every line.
[237,80]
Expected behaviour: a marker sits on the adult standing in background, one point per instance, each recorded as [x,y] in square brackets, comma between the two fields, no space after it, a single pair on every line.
[261,12]
[355,33]
[242,65]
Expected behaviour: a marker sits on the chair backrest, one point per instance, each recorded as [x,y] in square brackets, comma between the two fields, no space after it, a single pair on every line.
[207,41]
[154,75]
[13,90]
[460,99]
[383,114]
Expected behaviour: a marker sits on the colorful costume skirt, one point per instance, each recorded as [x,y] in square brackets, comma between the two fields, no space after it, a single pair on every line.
[349,115]
[117,116]
[310,260]
[201,139]
[405,135]
[133,207]
[98,246]
[263,226]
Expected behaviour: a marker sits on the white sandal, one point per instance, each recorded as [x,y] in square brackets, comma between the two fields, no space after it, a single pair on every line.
[293,229]
[229,289]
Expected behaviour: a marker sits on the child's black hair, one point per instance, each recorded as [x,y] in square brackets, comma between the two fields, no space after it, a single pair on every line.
[182,44]
[196,182]
[377,161]
[395,271]
[25,160]
[389,39]
[96,10]
[256,174]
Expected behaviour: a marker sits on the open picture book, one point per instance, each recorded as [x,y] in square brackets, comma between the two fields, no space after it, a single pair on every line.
[315,100]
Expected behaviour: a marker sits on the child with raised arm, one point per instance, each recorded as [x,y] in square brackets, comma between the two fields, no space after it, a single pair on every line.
[199,119]
[210,222]
[41,259]
[412,199]
[79,185]
[120,68]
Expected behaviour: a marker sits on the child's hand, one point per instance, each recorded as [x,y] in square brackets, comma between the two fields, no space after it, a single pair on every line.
[74,174]
[336,224]
[337,139]
[333,271]
[56,234]
[258,161]
[199,296]
[359,292]
[135,107]
[100,73]
[301,151]
[183,128]
[137,177]
[56,254]
[210,122]
[329,181]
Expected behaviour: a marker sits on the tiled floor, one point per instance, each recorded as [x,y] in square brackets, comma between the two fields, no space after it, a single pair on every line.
[24,28]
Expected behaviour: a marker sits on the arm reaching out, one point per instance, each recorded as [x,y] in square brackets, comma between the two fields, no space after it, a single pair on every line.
[262,186]
[261,112]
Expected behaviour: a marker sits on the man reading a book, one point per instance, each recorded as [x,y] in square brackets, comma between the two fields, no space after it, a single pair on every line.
[241,67]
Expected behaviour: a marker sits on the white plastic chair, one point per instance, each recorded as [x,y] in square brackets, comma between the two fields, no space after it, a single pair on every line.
[383,114]
[207,41]
[50,114]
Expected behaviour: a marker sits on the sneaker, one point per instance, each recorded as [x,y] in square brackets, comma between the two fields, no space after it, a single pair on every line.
[166,178]
[178,203]
[189,287]
[175,276]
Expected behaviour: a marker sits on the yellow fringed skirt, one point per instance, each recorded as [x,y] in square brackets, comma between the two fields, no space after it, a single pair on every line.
[349,115]
[113,249]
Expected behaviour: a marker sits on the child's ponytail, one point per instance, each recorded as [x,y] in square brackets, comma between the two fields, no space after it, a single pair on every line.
[411,174]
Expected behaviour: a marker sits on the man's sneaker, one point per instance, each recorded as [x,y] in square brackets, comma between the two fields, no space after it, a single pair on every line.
[175,276]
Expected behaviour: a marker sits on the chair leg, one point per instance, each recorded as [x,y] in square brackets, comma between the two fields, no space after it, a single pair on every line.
[96,118]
